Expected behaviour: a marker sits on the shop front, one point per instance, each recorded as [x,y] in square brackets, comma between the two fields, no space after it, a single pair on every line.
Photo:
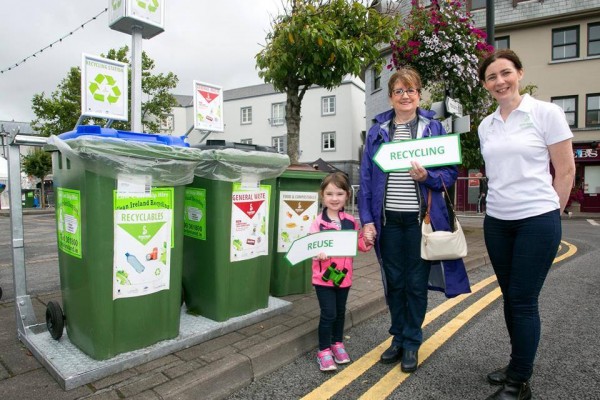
[587,175]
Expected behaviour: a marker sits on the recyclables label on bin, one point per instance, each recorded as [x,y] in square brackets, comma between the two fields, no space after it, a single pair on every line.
[249,222]
[194,218]
[143,239]
[297,210]
[68,221]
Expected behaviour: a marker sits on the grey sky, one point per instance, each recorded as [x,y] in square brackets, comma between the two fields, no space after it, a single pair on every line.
[209,41]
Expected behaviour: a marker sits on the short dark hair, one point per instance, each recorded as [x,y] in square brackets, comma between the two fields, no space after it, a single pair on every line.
[408,76]
[507,54]
[339,179]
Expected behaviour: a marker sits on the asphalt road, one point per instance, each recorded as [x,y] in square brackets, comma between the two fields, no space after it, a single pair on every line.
[469,340]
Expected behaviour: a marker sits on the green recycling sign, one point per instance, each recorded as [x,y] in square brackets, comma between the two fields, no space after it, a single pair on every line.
[104,88]
[150,5]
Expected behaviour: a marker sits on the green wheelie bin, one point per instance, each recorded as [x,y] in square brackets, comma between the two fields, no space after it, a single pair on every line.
[297,206]
[228,224]
[119,214]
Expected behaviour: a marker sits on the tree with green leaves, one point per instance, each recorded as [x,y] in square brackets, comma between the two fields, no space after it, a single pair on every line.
[60,111]
[38,164]
[319,42]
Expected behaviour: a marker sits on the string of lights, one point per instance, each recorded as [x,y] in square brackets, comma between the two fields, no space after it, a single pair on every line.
[15,65]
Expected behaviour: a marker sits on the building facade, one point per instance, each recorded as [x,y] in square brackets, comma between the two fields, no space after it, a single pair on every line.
[558,42]
[331,124]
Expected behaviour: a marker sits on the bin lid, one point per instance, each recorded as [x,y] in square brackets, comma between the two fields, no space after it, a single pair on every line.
[219,144]
[96,130]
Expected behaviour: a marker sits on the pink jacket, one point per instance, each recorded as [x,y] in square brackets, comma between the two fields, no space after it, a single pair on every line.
[323,223]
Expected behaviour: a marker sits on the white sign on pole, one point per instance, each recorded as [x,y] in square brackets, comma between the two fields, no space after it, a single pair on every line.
[332,243]
[454,107]
[147,14]
[208,107]
[104,88]
[429,152]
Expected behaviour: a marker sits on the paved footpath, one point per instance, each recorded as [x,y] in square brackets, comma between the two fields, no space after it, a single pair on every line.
[215,368]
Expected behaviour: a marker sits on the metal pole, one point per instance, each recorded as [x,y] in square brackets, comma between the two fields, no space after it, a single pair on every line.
[136,78]
[489,21]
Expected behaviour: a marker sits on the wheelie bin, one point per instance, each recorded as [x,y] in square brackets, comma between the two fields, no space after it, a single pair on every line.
[119,215]
[229,220]
[297,207]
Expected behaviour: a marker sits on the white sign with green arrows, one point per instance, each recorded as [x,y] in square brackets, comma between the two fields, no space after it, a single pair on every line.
[104,88]
[429,152]
[332,243]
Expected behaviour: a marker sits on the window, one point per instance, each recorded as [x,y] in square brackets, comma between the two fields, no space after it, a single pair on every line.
[277,114]
[592,110]
[376,80]
[246,115]
[594,39]
[475,4]
[328,141]
[278,143]
[167,122]
[502,42]
[565,43]
[328,105]
[246,141]
[569,106]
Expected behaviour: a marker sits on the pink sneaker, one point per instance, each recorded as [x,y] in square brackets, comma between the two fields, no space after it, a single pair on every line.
[339,353]
[325,360]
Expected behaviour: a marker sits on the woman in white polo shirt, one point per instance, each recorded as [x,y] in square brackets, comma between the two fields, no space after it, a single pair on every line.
[522,225]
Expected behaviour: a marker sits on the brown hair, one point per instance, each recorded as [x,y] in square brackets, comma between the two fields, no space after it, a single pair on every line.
[408,76]
[507,54]
[339,179]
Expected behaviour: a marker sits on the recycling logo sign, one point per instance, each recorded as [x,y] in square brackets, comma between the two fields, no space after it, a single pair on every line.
[104,88]
[116,4]
[151,5]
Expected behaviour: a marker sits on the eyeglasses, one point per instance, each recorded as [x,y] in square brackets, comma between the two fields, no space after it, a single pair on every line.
[411,92]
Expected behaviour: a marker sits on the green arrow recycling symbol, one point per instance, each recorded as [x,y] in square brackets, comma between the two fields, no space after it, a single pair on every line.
[105,84]
[152,5]
[116,4]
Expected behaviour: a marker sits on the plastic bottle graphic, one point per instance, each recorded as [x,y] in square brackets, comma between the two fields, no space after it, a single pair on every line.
[135,263]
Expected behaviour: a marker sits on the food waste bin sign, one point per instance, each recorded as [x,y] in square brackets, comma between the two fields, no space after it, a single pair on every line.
[297,211]
[249,222]
[143,238]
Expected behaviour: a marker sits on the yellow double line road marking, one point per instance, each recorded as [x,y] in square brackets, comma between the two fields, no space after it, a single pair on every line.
[395,377]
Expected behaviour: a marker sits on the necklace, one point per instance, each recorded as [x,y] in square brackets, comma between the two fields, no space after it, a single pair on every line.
[403,122]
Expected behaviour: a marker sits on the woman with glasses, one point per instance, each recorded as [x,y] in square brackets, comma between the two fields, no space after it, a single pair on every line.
[522,227]
[391,208]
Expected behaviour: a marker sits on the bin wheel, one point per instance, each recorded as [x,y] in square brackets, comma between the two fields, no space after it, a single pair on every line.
[0,293]
[55,320]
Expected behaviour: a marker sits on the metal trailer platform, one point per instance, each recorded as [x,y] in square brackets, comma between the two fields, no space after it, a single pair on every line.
[72,368]
[65,362]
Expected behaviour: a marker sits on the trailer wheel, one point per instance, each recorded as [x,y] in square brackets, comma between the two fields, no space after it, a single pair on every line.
[55,320]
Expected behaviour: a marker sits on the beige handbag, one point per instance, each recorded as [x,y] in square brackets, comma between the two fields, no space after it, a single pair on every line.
[441,245]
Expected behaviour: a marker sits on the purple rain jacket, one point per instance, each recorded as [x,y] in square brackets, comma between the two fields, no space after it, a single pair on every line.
[448,276]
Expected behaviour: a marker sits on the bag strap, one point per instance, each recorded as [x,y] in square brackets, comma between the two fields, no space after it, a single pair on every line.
[426,219]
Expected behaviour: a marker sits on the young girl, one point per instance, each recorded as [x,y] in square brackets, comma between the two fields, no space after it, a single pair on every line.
[332,277]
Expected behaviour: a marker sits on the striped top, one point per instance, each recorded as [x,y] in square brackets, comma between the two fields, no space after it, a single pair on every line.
[401,193]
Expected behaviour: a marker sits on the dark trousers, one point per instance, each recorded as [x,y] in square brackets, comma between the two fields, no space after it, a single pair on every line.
[332,301]
[522,252]
[406,276]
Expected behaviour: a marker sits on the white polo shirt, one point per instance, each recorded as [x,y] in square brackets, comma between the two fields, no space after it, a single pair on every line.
[517,160]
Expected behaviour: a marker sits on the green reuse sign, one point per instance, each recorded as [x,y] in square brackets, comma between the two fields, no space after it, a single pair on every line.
[68,221]
[194,219]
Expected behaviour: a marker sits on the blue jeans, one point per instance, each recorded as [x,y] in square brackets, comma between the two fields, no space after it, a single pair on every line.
[406,276]
[332,301]
[522,252]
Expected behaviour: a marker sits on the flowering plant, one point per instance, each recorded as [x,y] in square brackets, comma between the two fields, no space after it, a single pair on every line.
[442,44]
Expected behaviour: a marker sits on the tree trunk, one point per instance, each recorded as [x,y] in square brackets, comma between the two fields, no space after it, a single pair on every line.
[42,195]
[292,120]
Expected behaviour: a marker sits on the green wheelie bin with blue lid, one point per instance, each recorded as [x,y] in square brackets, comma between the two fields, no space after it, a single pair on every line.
[119,215]
[228,229]
[296,207]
